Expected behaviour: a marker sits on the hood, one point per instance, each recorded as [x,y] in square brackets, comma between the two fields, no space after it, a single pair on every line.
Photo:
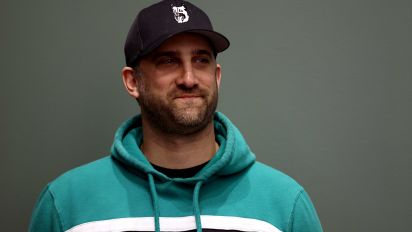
[233,155]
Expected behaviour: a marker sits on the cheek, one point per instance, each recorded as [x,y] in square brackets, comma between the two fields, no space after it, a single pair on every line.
[206,77]
[211,82]
[155,79]
[158,88]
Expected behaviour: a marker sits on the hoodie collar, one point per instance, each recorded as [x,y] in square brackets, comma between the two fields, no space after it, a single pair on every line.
[233,155]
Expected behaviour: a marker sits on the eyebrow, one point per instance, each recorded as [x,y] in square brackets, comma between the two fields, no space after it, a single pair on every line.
[202,52]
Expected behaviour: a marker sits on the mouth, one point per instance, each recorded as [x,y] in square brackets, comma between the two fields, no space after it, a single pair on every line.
[188,96]
[189,99]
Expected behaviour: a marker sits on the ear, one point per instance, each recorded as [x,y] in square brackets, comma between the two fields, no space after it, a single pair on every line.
[218,74]
[130,82]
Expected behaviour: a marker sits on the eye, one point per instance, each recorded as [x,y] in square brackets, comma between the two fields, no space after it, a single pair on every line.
[169,61]
[202,60]
[166,60]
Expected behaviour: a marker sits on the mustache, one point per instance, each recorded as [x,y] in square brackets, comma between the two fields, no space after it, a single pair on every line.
[179,92]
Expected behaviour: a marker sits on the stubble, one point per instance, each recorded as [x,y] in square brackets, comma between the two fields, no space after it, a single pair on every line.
[173,116]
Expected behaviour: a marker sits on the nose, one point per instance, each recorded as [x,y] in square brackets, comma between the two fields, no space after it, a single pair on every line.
[187,79]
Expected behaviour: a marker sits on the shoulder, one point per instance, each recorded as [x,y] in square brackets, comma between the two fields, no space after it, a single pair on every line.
[273,185]
[93,174]
[97,167]
[99,184]
[274,177]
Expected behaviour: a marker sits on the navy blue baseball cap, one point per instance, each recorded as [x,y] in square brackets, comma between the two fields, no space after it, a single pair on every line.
[158,22]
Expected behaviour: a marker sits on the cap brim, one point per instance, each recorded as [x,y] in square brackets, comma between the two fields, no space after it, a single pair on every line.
[219,41]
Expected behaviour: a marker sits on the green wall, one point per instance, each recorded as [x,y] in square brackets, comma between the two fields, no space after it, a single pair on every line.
[320,89]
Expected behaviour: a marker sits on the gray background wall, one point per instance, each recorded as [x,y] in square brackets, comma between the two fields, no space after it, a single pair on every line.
[320,89]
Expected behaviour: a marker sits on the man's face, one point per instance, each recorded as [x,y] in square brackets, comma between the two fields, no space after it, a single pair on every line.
[178,85]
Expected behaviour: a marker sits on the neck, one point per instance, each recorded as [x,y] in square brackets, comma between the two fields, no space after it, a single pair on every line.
[178,151]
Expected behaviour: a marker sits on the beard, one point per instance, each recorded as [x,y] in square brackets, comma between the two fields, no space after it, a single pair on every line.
[175,116]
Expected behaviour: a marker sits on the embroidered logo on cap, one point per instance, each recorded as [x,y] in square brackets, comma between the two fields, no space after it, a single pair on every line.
[180,13]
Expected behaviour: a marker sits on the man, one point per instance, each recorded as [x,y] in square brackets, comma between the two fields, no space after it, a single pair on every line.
[179,166]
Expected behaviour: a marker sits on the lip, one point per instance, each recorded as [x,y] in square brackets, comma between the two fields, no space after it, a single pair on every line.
[188,96]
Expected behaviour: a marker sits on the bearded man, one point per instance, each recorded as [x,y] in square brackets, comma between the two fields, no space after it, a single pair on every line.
[179,165]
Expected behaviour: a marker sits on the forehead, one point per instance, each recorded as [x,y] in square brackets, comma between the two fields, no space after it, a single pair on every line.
[185,42]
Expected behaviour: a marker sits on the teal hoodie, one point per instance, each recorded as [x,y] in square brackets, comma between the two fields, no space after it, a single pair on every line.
[123,192]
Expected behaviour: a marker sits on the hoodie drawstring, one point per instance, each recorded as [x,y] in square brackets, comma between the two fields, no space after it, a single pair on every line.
[196,207]
[154,202]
